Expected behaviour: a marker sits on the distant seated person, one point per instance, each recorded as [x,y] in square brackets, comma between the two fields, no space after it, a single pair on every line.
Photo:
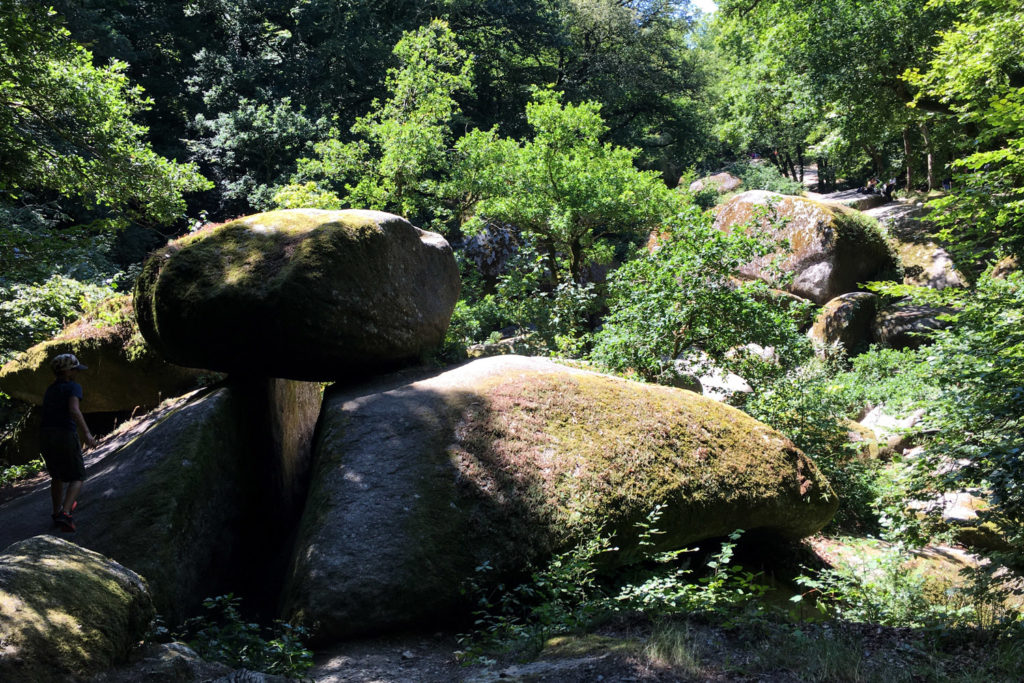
[889,188]
[870,187]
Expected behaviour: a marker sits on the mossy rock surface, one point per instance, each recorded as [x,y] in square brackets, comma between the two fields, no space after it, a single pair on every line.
[124,372]
[301,294]
[832,248]
[846,320]
[721,182]
[66,612]
[506,460]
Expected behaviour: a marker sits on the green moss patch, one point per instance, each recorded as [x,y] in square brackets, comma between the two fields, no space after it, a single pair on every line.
[583,450]
[66,610]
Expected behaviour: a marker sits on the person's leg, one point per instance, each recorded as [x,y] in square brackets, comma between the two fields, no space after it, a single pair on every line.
[56,494]
[74,487]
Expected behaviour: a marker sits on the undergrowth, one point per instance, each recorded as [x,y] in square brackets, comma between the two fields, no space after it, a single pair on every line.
[13,473]
[570,595]
[223,635]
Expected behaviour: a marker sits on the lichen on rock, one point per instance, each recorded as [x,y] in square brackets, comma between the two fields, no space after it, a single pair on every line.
[831,250]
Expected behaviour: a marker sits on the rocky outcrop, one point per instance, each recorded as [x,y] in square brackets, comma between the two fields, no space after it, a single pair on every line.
[66,612]
[906,326]
[832,249]
[720,182]
[845,321]
[925,263]
[124,372]
[301,294]
[174,496]
[508,459]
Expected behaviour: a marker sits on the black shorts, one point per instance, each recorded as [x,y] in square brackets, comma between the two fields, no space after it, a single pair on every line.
[63,455]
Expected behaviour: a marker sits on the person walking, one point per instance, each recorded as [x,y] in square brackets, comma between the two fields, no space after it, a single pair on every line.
[62,452]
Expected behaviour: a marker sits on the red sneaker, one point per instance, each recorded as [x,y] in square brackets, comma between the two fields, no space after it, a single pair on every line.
[65,522]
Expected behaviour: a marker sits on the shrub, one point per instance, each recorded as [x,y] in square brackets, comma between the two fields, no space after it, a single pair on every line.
[681,298]
[222,635]
[764,176]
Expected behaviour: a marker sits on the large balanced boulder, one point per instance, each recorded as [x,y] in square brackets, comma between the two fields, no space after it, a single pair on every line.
[831,248]
[199,496]
[66,612]
[503,461]
[300,294]
[124,372]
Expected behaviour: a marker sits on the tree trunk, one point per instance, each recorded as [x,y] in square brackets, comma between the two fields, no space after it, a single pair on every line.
[576,261]
[791,169]
[906,154]
[876,160]
[928,156]
[800,160]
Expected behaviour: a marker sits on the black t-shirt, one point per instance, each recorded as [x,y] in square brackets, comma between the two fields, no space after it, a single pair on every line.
[56,414]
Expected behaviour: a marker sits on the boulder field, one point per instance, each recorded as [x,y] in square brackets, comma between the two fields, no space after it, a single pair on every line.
[506,460]
[370,510]
[831,248]
[300,294]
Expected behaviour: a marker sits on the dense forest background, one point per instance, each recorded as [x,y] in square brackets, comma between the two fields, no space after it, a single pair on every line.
[547,140]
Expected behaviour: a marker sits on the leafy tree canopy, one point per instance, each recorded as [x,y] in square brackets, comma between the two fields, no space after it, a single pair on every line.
[68,127]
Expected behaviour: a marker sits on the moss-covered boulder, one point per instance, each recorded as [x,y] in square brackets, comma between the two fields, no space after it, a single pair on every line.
[832,249]
[302,294]
[846,321]
[505,460]
[124,372]
[720,182]
[66,612]
[199,496]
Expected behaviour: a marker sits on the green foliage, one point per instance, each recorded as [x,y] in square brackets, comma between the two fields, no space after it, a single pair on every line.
[14,473]
[977,363]
[810,406]
[251,148]
[975,71]
[723,591]
[30,314]
[883,585]
[402,145]
[764,176]
[569,594]
[68,126]
[563,189]
[222,635]
[680,299]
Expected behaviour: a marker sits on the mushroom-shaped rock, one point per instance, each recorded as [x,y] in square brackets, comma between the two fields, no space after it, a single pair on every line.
[505,460]
[66,612]
[845,320]
[300,294]
[832,249]
[124,372]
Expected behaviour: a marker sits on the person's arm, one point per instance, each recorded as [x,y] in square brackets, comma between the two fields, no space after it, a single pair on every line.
[76,413]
